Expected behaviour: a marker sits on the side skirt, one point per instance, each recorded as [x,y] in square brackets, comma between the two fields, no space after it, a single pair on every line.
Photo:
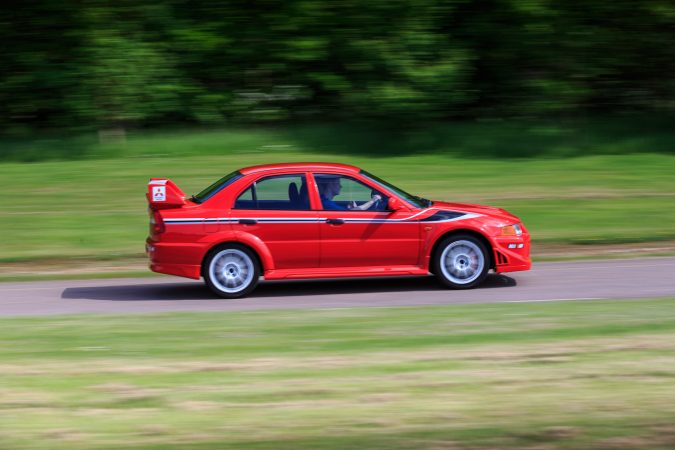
[343,272]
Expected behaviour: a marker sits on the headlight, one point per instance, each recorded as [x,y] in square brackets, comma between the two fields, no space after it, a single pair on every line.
[512,230]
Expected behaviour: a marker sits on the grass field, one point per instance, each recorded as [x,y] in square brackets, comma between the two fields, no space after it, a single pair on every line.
[570,375]
[97,209]
[84,199]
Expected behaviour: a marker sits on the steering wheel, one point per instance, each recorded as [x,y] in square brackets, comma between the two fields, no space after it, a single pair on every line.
[379,204]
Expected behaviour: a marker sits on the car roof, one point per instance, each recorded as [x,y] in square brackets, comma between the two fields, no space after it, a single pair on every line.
[300,165]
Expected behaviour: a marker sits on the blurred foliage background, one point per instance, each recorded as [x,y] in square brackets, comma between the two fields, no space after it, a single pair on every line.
[561,112]
[88,66]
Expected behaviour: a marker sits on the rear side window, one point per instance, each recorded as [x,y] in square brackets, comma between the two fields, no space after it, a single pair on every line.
[216,187]
[280,192]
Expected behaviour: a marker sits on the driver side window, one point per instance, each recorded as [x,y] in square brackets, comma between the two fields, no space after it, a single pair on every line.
[339,192]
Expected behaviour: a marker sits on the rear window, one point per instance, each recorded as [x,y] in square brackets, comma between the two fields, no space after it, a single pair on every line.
[216,187]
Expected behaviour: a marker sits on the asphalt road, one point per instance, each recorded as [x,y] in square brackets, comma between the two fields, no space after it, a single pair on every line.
[557,281]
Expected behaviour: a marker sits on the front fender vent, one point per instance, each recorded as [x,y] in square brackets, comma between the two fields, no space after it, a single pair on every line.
[501,259]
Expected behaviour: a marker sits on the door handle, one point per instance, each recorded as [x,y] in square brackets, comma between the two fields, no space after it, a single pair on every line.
[248,221]
[335,221]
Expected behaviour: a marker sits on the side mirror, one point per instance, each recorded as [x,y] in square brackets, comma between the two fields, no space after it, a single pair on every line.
[394,204]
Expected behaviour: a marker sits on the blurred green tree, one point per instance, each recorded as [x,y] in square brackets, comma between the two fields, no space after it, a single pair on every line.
[94,64]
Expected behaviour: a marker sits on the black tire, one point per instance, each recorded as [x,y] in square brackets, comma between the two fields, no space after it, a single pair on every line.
[231,271]
[467,268]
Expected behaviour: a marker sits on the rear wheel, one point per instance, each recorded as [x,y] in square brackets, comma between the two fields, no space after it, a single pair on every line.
[231,271]
[461,261]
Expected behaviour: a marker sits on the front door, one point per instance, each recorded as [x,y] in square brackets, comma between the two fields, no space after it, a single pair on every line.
[356,230]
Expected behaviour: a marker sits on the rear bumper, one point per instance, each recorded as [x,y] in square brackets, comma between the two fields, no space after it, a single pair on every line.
[182,260]
[181,270]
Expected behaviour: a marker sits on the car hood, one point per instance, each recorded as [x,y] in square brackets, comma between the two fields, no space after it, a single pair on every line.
[491,211]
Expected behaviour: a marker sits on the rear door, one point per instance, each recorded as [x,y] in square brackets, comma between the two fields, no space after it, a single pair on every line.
[276,209]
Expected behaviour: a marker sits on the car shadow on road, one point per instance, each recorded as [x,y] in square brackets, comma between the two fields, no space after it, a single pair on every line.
[365,286]
[270,289]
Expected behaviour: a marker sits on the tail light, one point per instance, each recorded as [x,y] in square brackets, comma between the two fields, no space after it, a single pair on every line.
[156,223]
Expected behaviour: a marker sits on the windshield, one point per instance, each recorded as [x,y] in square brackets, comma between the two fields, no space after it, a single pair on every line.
[215,187]
[415,200]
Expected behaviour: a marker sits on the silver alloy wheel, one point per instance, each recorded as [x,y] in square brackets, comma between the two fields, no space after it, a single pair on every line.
[231,270]
[462,262]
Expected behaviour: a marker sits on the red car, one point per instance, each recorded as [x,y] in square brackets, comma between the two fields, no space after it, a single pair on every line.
[321,220]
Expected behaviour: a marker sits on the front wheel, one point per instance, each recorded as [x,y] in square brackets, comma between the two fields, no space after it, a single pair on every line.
[231,271]
[461,261]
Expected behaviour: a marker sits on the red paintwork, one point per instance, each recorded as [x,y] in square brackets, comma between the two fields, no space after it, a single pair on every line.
[295,167]
[319,249]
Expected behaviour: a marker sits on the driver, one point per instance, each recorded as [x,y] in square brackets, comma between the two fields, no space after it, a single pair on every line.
[330,187]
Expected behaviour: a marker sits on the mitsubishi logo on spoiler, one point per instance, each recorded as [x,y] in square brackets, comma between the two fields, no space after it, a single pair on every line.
[159,193]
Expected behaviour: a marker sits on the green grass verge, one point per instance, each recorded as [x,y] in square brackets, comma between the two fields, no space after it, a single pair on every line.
[568,375]
[97,208]
[491,138]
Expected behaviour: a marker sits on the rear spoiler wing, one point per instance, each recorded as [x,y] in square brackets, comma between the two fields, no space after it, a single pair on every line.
[164,194]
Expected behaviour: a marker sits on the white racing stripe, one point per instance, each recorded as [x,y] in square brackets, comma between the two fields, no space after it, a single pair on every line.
[196,220]
[555,300]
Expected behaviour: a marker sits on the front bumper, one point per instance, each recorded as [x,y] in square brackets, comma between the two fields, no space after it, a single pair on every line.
[512,253]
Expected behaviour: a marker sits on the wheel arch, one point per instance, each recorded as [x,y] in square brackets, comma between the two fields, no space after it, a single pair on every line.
[223,243]
[478,235]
